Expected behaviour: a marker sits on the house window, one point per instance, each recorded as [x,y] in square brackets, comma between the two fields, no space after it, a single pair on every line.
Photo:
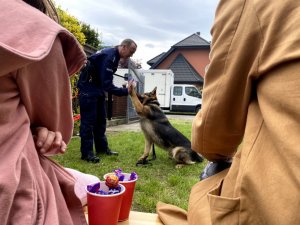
[177,91]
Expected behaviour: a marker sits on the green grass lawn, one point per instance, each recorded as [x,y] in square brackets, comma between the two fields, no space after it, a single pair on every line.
[160,181]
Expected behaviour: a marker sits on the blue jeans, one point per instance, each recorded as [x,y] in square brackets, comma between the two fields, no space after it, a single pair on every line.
[92,124]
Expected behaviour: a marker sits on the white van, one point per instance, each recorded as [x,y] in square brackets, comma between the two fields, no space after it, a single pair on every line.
[185,98]
[173,97]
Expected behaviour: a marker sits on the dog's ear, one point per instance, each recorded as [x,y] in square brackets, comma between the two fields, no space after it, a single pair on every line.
[153,92]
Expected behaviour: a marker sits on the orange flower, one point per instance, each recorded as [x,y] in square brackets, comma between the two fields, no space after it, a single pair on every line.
[76,117]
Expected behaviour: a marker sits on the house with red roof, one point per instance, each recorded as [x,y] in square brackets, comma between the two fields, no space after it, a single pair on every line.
[187,59]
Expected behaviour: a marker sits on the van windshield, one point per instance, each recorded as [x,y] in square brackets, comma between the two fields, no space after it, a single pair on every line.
[192,91]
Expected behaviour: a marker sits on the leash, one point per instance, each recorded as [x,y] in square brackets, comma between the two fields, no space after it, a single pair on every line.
[153,153]
[125,77]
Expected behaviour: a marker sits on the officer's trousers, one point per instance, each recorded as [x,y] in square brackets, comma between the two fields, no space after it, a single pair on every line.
[92,124]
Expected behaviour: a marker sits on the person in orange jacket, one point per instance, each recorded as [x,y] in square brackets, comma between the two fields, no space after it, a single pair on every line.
[250,115]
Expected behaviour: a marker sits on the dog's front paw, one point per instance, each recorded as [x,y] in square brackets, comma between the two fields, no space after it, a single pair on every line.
[143,162]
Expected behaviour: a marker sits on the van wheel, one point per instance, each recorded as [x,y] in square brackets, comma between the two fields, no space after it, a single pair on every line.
[197,109]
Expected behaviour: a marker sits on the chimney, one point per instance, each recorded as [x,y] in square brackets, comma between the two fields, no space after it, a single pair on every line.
[198,33]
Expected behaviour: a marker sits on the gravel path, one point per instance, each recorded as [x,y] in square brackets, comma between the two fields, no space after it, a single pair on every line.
[135,126]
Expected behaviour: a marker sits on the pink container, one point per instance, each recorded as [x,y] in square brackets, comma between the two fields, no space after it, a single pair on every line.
[104,209]
[127,198]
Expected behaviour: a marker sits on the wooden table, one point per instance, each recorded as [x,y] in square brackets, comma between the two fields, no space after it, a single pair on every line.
[139,218]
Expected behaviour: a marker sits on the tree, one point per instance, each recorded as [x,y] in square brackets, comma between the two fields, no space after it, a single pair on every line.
[85,35]
[72,24]
[135,63]
[91,35]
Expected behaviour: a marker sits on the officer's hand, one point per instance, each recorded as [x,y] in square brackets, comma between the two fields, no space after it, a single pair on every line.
[131,86]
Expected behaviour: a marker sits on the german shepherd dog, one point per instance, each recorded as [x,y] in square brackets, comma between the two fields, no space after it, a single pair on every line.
[158,130]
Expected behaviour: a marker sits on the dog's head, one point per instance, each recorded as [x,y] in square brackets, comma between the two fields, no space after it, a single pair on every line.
[149,97]
[182,155]
[185,156]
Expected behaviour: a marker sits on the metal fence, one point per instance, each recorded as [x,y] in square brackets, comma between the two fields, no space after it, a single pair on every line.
[140,79]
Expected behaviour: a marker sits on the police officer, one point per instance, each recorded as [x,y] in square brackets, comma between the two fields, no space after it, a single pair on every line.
[96,79]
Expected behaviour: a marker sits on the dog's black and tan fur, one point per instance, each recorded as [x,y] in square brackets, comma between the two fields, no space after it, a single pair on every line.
[158,130]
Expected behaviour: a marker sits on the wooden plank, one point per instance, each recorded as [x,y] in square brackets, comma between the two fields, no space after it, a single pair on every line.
[140,218]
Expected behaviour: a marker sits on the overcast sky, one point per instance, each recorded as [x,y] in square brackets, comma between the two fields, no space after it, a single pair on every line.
[155,25]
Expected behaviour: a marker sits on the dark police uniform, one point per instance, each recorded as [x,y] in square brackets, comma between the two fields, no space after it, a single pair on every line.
[100,67]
